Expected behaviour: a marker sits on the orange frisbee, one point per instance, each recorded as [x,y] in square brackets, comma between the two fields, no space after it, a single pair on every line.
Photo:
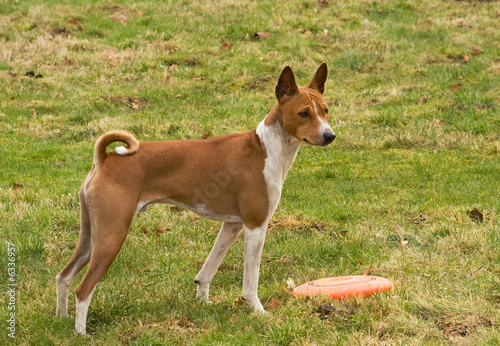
[343,286]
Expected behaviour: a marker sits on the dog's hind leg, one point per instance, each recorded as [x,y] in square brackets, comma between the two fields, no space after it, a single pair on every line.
[226,237]
[80,258]
[109,231]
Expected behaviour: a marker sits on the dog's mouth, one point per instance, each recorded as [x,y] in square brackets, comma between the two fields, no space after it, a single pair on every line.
[322,143]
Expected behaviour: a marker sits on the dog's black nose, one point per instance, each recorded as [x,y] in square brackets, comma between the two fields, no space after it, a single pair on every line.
[328,137]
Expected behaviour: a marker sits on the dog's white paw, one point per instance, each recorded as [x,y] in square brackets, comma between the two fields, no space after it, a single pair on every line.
[202,291]
[62,313]
[256,305]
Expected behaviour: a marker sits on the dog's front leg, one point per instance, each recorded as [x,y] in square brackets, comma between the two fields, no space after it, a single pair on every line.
[254,243]
[227,235]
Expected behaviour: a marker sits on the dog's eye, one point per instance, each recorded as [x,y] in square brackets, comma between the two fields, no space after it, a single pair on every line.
[304,114]
[326,111]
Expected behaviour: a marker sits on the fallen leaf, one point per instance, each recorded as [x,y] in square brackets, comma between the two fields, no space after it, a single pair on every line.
[226,45]
[465,58]
[172,67]
[146,231]
[49,261]
[322,3]
[118,18]
[68,61]
[456,87]
[207,134]
[424,100]
[404,242]
[273,304]
[75,21]
[475,50]
[238,301]
[139,14]
[196,78]
[290,284]
[262,34]
[161,230]
[17,187]
[60,163]
[436,122]
[475,215]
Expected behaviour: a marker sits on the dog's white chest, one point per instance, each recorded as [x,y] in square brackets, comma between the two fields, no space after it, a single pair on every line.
[281,150]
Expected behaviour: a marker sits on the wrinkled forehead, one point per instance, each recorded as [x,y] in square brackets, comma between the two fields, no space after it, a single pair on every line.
[310,97]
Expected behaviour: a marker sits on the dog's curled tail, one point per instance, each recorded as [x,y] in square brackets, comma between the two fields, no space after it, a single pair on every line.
[115,136]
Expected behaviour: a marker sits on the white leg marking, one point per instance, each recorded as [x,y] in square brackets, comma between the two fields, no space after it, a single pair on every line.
[226,237]
[63,284]
[82,308]
[62,297]
[254,243]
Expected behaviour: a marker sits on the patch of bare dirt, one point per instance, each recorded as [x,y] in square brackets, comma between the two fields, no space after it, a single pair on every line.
[131,102]
[298,223]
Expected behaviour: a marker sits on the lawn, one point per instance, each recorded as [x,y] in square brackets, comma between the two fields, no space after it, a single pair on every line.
[409,190]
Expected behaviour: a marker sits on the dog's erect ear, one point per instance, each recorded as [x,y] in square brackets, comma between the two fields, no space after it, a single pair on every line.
[286,84]
[318,82]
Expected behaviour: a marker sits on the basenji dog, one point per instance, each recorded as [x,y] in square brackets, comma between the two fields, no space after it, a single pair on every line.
[235,179]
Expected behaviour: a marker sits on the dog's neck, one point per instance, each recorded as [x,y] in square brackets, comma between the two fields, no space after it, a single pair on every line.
[281,147]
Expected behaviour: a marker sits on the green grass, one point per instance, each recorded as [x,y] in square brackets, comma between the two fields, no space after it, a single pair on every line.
[411,158]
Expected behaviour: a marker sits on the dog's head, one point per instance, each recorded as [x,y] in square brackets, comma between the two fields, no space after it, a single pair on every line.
[303,111]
